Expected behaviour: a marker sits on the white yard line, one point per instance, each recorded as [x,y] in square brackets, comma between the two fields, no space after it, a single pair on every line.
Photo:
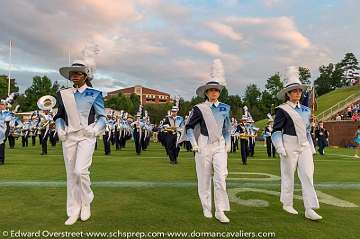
[181,184]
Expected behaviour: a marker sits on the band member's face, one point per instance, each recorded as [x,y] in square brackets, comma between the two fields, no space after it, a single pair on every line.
[78,78]
[213,94]
[173,113]
[2,107]
[321,125]
[295,95]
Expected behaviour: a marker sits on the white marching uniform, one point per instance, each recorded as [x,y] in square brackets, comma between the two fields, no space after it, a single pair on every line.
[209,129]
[79,120]
[292,140]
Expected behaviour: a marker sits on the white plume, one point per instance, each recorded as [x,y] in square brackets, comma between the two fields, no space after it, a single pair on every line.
[16,109]
[89,52]
[217,72]
[177,101]
[291,74]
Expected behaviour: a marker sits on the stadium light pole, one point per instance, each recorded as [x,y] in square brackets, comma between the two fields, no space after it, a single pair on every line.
[9,75]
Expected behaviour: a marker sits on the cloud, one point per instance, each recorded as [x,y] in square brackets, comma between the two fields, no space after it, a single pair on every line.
[169,45]
[225,30]
[204,46]
[280,29]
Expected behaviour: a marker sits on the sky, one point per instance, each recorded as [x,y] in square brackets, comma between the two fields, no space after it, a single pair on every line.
[169,45]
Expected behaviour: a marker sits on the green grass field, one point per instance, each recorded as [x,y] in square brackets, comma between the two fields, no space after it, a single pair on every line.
[147,194]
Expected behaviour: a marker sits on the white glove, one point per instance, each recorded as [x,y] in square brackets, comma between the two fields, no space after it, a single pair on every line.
[89,131]
[196,149]
[282,152]
[228,148]
[62,134]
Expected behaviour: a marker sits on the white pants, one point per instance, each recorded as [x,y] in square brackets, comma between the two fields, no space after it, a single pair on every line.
[211,165]
[78,151]
[302,159]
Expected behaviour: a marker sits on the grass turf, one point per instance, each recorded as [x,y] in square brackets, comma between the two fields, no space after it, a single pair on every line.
[146,193]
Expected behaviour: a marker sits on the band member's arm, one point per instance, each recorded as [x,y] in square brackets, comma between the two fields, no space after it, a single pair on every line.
[59,118]
[18,123]
[195,118]
[182,124]
[308,133]
[277,135]
[227,130]
[100,115]
[166,122]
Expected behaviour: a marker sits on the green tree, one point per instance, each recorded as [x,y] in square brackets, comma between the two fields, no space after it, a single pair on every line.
[157,111]
[274,85]
[304,75]
[252,100]
[338,78]
[4,82]
[135,100]
[236,105]
[224,95]
[349,64]
[323,84]
[40,86]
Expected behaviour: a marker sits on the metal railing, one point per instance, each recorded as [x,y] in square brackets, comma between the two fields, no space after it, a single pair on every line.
[338,107]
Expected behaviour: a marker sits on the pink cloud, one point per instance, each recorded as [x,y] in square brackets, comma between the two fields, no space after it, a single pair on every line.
[225,30]
[203,46]
[282,29]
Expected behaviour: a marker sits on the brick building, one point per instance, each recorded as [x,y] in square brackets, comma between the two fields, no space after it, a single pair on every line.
[147,95]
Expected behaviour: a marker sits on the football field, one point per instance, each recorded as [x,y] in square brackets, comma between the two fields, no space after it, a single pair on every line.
[146,194]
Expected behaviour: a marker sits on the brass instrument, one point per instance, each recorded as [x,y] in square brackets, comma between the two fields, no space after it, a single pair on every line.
[172,130]
[46,102]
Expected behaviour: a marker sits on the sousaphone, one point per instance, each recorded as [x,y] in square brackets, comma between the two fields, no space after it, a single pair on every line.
[46,102]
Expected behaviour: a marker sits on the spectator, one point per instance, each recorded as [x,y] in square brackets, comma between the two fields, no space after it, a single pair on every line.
[349,112]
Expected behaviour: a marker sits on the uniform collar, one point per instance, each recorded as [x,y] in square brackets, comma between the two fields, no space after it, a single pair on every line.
[81,89]
[293,105]
[210,104]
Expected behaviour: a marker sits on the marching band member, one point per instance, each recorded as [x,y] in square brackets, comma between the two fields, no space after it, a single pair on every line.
[80,119]
[46,118]
[15,126]
[234,140]
[208,130]
[107,135]
[322,137]
[270,148]
[118,123]
[52,133]
[25,133]
[147,131]
[5,117]
[172,125]
[137,126]
[34,127]
[292,140]
[244,144]
[252,135]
